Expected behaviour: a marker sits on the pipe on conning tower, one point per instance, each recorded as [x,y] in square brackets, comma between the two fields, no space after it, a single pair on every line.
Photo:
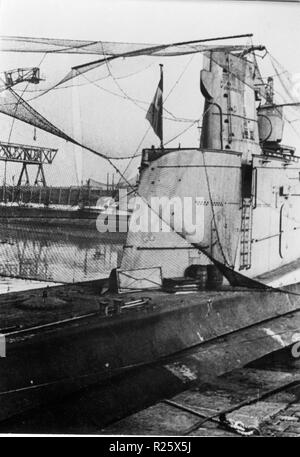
[209,103]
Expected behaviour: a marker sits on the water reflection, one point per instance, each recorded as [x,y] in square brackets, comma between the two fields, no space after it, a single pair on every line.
[58,254]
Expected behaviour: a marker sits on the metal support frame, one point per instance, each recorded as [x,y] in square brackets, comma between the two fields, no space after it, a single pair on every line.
[19,75]
[28,155]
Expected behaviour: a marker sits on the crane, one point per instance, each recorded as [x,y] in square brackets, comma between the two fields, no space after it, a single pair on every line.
[19,75]
[28,155]
[25,154]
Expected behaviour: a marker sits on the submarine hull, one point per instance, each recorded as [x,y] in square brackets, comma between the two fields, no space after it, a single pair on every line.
[48,358]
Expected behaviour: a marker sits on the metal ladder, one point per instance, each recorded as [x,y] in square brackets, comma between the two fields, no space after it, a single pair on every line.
[246,234]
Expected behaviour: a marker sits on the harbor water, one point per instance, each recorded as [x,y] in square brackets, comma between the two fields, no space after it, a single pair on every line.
[33,256]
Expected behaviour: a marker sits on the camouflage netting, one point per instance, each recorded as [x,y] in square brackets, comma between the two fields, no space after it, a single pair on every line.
[90,115]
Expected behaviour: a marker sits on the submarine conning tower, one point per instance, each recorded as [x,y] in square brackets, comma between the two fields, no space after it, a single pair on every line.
[243,184]
[230,84]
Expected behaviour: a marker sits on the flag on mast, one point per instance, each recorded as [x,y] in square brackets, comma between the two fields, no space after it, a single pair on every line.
[155,112]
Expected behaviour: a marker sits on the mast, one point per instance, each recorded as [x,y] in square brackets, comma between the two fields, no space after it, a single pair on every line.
[162,105]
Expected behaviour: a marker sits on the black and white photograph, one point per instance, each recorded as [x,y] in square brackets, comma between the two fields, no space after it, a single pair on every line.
[150,221]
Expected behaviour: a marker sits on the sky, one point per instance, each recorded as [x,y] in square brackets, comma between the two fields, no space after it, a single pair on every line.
[117,124]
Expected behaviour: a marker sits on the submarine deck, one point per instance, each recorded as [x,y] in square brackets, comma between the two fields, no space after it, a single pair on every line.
[60,305]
